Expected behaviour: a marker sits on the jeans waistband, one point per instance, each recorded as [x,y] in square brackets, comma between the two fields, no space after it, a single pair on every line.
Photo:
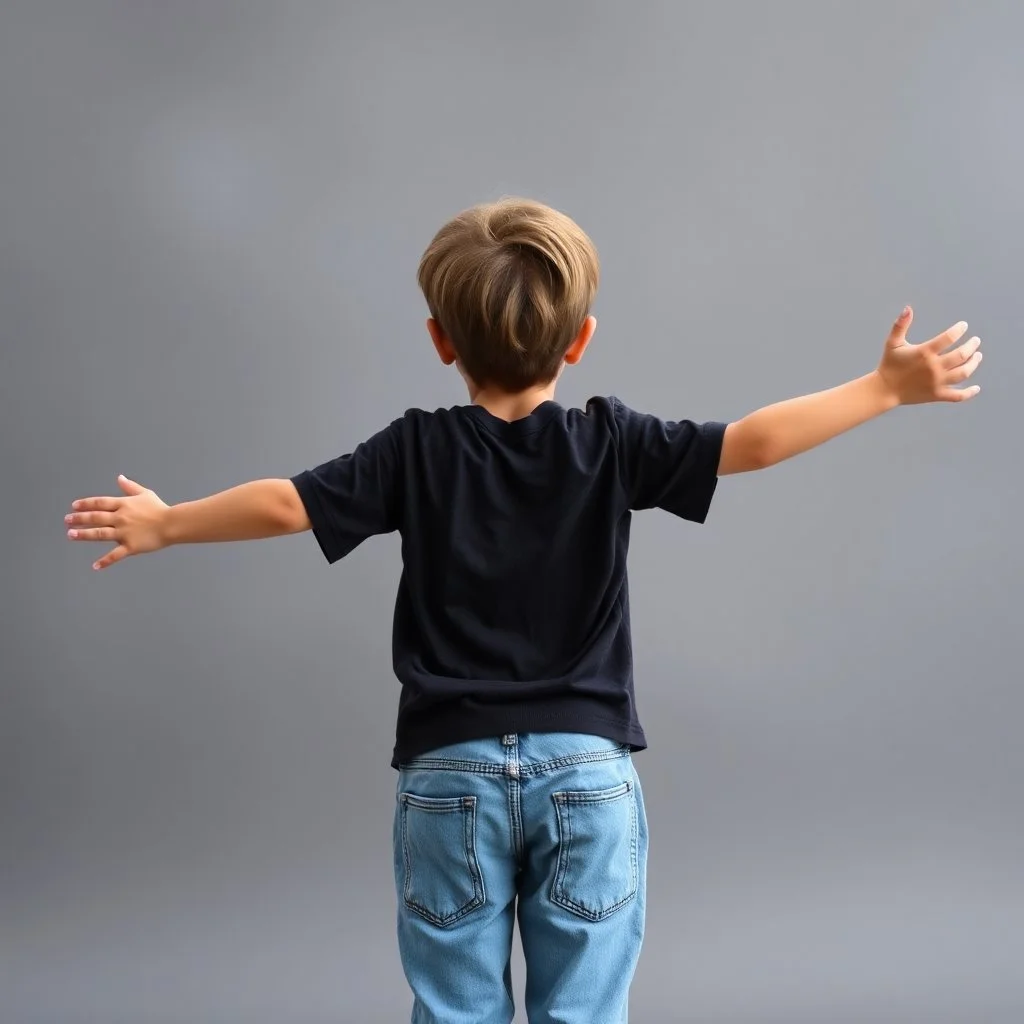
[533,752]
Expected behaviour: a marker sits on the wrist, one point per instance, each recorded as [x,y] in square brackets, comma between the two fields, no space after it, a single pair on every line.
[167,526]
[884,394]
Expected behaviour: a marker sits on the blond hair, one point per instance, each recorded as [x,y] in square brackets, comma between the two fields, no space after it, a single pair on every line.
[511,284]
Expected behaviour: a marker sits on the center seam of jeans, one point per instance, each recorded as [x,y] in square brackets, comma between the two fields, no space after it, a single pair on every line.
[515,814]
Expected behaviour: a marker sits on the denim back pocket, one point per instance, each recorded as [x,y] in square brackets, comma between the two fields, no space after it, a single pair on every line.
[597,871]
[443,882]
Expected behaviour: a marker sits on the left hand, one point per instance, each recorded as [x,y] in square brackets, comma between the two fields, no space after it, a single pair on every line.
[928,372]
[133,522]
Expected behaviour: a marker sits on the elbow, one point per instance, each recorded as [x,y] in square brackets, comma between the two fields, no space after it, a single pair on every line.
[745,450]
[764,455]
[289,512]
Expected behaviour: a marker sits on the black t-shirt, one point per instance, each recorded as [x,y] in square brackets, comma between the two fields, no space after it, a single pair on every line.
[513,608]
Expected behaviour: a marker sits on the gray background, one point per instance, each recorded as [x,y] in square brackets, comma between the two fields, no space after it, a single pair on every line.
[210,218]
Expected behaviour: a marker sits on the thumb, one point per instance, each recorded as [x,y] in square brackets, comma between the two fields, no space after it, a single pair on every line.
[129,486]
[898,334]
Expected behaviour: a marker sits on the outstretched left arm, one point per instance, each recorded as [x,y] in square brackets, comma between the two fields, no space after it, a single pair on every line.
[907,375]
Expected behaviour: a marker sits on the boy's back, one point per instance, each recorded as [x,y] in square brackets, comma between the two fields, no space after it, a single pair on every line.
[517,795]
[512,612]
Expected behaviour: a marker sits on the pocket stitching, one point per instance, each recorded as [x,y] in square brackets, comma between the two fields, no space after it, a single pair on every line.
[444,805]
[563,801]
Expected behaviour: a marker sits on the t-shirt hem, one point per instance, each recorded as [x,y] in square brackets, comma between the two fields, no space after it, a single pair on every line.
[498,721]
[310,498]
[698,505]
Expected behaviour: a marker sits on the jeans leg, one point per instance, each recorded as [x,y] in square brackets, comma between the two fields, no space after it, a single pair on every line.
[455,877]
[582,894]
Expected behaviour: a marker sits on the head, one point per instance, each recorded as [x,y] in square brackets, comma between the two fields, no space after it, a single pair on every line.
[509,286]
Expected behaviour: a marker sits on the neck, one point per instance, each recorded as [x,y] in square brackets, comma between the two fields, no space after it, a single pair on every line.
[511,405]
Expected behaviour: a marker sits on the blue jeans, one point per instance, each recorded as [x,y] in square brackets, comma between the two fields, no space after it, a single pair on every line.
[549,825]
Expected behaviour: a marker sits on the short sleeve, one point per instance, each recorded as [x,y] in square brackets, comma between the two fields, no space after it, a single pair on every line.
[354,496]
[668,465]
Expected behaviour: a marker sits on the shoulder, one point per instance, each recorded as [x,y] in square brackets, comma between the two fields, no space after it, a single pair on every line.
[598,409]
[417,418]
[418,427]
[611,412]
[596,427]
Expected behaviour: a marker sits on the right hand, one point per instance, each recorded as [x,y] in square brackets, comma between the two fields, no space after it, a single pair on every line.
[134,522]
[930,371]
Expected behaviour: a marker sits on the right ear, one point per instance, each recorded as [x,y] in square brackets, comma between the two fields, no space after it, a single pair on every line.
[575,351]
[445,349]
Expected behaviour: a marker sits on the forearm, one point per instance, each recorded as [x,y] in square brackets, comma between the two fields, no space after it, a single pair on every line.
[250,511]
[780,431]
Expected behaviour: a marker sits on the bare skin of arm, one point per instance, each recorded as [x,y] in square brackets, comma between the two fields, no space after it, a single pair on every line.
[906,375]
[138,521]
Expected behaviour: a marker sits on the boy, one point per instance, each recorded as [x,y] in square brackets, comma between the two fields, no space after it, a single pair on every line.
[516,725]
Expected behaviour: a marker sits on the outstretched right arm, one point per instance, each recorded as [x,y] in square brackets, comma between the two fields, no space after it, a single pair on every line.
[139,521]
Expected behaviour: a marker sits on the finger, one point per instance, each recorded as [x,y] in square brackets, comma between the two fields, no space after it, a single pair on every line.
[958,394]
[948,337]
[106,504]
[90,519]
[960,355]
[129,486]
[898,334]
[111,557]
[94,533]
[960,373]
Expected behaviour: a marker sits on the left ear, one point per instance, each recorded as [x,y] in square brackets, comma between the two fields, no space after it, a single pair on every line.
[574,353]
[445,349]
